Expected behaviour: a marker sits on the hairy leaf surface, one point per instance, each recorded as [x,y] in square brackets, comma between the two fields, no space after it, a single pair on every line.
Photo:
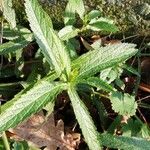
[48,40]
[123,104]
[85,121]
[30,102]
[97,60]
[125,143]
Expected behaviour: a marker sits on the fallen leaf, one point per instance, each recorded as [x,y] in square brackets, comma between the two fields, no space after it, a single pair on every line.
[42,132]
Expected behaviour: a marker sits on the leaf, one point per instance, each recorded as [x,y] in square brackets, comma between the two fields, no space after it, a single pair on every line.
[15,45]
[72,7]
[30,102]
[97,82]
[123,104]
[48,78]
[11,34]
[8,12]
[93,14]
[125,143]
[68,32]
[42,132]
[52,47]
[102,24]
[72,49]
[131,69]
[22,145]
[110,74]
[85,121]
[94,61]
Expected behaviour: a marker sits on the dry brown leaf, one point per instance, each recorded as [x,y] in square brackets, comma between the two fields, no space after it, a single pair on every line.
[43,133]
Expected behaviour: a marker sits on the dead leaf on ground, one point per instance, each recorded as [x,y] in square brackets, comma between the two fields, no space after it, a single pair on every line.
[43,133]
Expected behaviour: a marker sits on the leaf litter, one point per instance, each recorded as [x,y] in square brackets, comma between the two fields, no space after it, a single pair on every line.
[41,132]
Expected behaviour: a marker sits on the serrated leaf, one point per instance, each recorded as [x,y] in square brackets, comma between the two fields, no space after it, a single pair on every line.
[72,7]
[15,45]
[123,104]
[124,143]
[97,82]
[94,61]
[30,102]
[48,78]
[85,121]
[68,32]
[8,12]
[52,47]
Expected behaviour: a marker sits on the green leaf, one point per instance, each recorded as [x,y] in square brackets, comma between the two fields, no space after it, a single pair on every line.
[97,82]
[8,12]
[22,145]
[85,121]
[48,78]
[93,14]
[111,74]
[52,47]
[15,45]
[72,7]
[30,102]
[102,24]
[94,61]
[125,143]
[123,104]
[15,33]
[131,69]
[68,32]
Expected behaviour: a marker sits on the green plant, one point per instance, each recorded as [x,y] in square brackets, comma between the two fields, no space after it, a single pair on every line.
[70,70]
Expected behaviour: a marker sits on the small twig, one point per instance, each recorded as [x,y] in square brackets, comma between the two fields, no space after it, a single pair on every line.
[143,98]
[74,126]
[142,116]
[129,37]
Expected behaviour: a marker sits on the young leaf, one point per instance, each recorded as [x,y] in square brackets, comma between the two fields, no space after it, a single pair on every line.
[97,60]
[8,12]
[93,14]
[123,104]
[49,42]
[30,102]
[102,24]
[72,7]
[126,143]
[68,32]
[97,82]
[85,121]
[15,45]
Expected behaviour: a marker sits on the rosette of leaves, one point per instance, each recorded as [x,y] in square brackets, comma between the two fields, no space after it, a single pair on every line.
[68,73]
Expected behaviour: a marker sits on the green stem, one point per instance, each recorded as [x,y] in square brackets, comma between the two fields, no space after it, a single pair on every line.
[5,141]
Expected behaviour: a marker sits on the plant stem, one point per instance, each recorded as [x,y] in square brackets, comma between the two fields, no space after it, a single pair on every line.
[5,141]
